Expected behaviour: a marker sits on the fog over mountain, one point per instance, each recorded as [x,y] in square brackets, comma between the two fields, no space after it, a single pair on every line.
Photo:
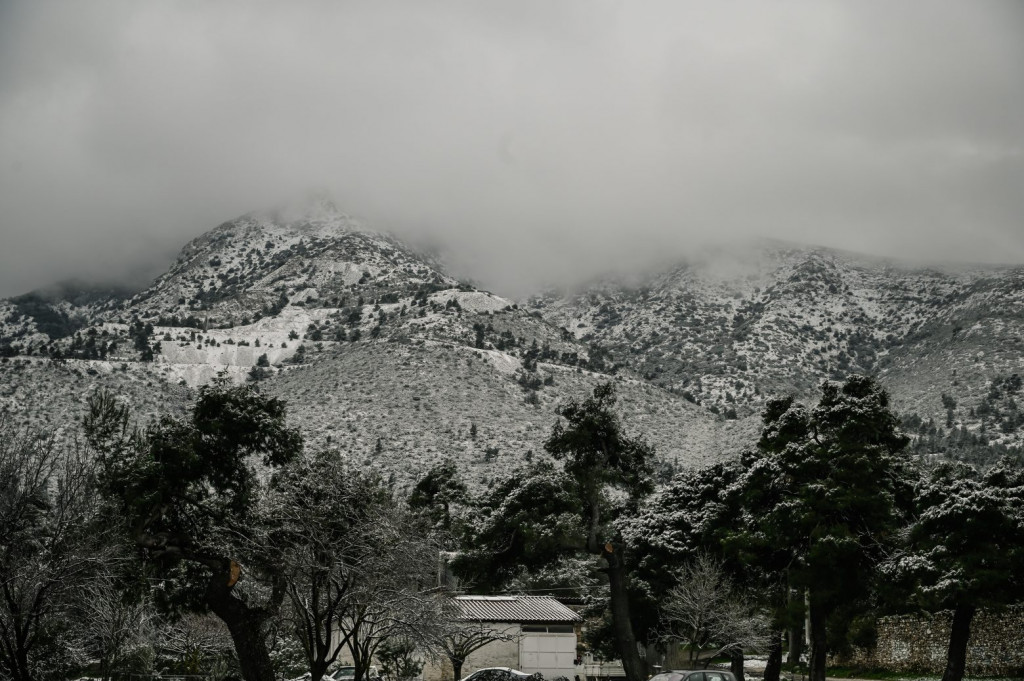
[537,141]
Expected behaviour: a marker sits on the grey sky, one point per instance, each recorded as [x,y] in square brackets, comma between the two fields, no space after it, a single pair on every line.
[541,139]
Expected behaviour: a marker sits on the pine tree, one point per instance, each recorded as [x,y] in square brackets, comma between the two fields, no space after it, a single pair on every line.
[187,490]
[598,458]
[827,487]
[966,547]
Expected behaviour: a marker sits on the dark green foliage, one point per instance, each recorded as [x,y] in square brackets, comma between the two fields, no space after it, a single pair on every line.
[826,492]
[599,359]
[692,515]
[187,489]
[525,521]
[967,542]
[965,548]
[194,471]
[596,452]
[438,493]
[398,659]
[999,410]
[599,460]
[49,319]
[529,381]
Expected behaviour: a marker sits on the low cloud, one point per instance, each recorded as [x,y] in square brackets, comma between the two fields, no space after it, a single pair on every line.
[541,141]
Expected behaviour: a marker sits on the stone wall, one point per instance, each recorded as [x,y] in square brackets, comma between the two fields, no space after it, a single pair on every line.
[919,643]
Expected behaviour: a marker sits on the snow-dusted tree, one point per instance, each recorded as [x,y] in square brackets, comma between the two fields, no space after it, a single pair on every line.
[698,513]
[395,594]
[710,615]
[115,627]
[439,493]
[965,548]
[400,659]
[828,487]
[539,515]
[188,492]
[197,644]
[602,464]
[527,521]
[52,543]
[320,523]
[457,637]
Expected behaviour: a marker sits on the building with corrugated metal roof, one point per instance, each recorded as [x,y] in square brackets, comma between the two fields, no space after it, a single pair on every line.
[539,635]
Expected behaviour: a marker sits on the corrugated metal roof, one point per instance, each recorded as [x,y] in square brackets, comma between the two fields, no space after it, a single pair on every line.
[514,609]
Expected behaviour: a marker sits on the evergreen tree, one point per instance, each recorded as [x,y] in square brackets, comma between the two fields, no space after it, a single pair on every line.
[437,492]
[826,488]
[966,547]
[600,460]
[188,492]
[697,514]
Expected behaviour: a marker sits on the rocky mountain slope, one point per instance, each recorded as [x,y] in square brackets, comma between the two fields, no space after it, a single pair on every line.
[730,327]
[387,358]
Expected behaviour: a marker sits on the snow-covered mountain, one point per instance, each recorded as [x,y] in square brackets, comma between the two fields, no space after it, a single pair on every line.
[732,326]
[384,356]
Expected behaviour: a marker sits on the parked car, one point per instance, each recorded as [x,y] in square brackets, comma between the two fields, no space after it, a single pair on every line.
[499,674]
[349,673]
[694,675]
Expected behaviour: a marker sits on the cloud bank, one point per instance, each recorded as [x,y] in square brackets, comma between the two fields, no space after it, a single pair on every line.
[540,141]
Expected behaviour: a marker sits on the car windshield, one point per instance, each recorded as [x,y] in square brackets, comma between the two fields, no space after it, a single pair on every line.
[345,673]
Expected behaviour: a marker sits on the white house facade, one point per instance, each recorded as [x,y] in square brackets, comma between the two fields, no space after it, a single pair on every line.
[541,633]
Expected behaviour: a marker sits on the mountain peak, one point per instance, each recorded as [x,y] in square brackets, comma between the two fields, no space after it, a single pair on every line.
[317,214]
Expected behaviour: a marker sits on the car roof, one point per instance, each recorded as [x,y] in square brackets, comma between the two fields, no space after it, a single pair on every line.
[501,669]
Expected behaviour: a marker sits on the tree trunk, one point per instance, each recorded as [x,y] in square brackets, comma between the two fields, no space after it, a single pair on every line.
[456,667]
[317,669]
[773,667]
[250,644]
[246,627]
[960,633]
[736,664]
[796,644]
[819,645]
[795,630]
[622,626]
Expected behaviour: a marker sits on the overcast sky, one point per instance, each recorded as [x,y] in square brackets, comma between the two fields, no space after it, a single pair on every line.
[538,138]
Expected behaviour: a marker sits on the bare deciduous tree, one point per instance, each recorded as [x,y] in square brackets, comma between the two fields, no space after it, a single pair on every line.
[199,643]
[358,568]
[114,628]
[51,544]
[707,613]
[457,638]
[395,594]
[320,521]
